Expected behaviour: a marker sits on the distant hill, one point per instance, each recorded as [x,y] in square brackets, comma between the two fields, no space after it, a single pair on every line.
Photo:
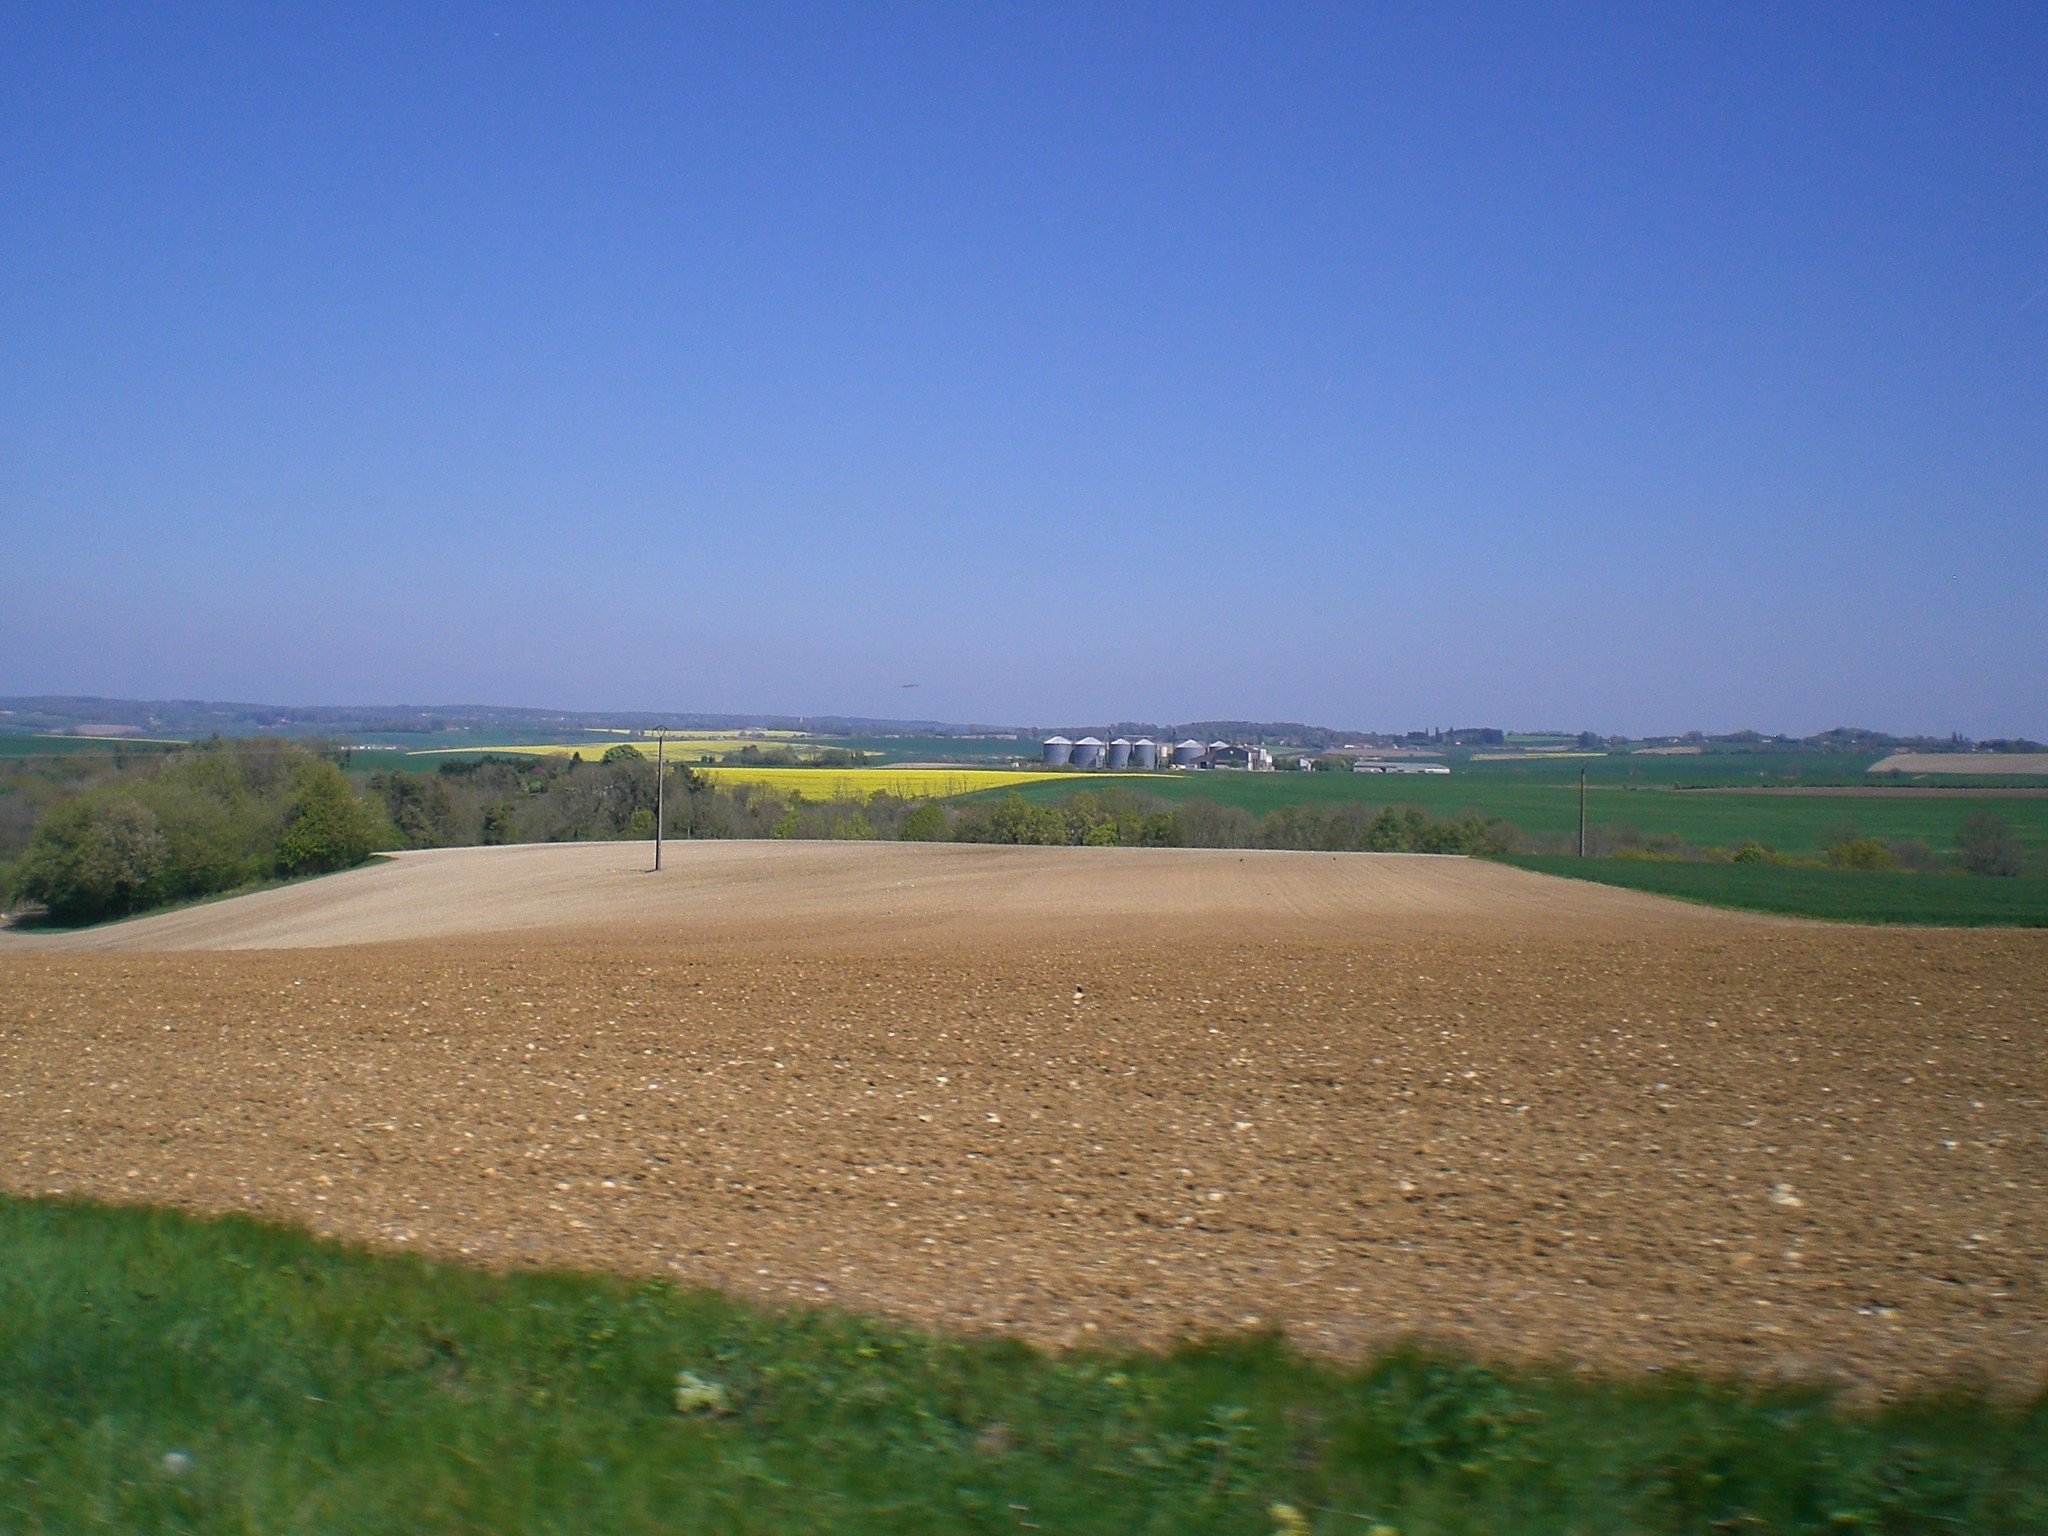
[86,715]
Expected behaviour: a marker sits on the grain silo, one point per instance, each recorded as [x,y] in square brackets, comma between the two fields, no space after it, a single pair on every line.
[1145,753]
[1119,754]
[1087,752]
[1058,751]
[1187,753]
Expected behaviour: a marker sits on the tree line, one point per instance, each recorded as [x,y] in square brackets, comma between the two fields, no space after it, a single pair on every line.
[214,818]
[143,831]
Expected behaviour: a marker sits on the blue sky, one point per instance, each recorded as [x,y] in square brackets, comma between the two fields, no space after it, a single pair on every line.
[1628,368]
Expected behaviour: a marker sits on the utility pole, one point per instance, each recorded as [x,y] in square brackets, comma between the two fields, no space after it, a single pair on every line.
[1582,820]
[661,803]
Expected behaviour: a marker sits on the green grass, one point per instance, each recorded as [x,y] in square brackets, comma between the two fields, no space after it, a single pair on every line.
[319,1389]
[1733,770]
[1729,769]
[16,745]
[1550,807]
[1847,895]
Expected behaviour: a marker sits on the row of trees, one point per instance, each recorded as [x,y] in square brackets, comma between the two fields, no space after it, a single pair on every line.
[211,819]
[1985,845]
[560,800]
[1123,818]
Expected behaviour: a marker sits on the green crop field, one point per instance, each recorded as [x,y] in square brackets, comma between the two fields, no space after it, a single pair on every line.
[1845,895]
[163,1374]
[1723,770]
[1703,768]
[1792,823]
[17,745]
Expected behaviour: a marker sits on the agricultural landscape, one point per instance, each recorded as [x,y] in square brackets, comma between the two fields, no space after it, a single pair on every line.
[1330,1070]
[1233,770]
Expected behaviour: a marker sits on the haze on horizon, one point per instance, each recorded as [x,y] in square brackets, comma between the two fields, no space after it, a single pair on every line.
[1639,370]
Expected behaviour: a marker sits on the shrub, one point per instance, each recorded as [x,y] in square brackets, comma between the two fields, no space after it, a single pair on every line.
[1860,853]
[1987,846]
[1911,853]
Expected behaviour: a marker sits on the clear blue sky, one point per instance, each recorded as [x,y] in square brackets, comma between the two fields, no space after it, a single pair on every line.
[1634,368]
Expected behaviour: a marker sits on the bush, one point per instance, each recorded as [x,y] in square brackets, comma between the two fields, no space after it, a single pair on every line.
[1911,853]
[1987,846]
[1860,853]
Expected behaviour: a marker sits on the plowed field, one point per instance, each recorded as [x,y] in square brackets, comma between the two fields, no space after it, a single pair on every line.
[1091,1094]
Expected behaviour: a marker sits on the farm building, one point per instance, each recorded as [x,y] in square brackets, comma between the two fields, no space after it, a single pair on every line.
[1058,751]
[1368,765]
[1223,754]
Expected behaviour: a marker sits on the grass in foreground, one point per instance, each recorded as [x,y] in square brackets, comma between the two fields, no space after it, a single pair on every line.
[1846,895]
[163,1374]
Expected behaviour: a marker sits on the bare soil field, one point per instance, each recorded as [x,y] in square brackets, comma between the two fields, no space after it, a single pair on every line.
[802,891]
[1355,1098]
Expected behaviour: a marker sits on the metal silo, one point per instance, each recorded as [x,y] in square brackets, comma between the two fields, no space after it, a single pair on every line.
[1058,751]
[1187,753]
[1119,754]
[1088,752]
[1145,753]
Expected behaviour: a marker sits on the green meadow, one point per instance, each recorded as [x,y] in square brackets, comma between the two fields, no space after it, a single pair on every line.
[169,1375]
[1548,806]
[1845,895]
[22,745]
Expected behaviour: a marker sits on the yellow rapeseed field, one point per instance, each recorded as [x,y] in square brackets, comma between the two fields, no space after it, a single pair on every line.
[859,783]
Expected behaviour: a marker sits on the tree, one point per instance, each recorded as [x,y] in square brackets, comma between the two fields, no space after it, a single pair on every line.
[326,827]
[624,752]
[497,826]
[98,856]
[1988,847]
[925,824]
[1861,853]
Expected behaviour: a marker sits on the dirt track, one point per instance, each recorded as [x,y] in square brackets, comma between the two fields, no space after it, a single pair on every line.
[1402,1096]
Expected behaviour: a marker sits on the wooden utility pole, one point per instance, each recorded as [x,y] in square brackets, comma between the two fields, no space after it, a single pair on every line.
[661,803]
[1582,821]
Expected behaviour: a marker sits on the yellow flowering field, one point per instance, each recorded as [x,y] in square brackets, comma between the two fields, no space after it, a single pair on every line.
[859,783]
